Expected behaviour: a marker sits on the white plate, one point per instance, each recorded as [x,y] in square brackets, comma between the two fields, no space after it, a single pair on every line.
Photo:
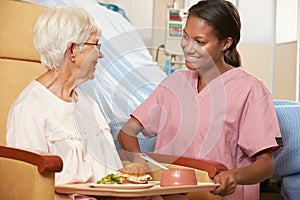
[125,186]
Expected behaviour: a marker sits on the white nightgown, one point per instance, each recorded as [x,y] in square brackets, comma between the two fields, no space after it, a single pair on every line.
[77,132]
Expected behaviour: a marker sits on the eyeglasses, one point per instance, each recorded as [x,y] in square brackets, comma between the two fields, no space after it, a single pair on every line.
[96,44]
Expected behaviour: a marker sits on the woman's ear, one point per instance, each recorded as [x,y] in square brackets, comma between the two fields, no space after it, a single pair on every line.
[70,51]
[227,43]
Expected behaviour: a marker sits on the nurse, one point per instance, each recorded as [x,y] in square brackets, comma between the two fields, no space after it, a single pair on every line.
[213,109]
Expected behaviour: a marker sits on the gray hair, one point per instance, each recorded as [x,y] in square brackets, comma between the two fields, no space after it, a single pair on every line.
[59,26]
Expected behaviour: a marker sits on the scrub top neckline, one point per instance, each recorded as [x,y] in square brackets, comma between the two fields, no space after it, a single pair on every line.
[214,83]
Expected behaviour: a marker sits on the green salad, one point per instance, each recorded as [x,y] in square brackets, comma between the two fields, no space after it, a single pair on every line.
[110,179]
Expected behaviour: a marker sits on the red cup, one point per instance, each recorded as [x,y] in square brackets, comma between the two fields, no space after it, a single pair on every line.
[178,177]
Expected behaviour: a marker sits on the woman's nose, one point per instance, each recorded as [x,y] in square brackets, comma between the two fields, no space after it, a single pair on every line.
[100,55]
[188,46]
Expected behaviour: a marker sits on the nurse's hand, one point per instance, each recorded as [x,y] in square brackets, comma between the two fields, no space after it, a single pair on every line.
[227,181]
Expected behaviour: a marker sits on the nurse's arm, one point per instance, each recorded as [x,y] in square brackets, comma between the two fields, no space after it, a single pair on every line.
[128,139]
[261,169]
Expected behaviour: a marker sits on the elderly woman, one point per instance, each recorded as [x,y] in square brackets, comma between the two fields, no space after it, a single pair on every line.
[51,114]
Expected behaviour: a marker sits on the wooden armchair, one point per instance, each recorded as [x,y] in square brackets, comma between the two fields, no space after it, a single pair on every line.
[27,175]
[31,175]
[23,174]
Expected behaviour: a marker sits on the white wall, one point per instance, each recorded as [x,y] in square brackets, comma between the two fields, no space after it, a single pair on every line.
[140,14]
[286,21]
[257,21]
[260,19]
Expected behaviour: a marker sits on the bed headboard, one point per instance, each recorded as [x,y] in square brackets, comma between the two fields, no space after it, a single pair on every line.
[19,60]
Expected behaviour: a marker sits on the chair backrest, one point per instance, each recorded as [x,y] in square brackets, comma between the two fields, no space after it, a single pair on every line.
[19,60]
[287,158]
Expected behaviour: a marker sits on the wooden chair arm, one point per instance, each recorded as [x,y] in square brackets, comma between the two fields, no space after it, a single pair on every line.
[46,163]
[211,167]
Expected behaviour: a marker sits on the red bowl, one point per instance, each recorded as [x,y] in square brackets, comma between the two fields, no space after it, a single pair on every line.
[178,177]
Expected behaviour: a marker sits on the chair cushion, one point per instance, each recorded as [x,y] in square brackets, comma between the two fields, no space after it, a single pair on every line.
[287,158]
[15,75]
[290,188]
[283,102]
[17,30]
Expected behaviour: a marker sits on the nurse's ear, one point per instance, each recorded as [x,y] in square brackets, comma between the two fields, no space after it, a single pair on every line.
[227,43]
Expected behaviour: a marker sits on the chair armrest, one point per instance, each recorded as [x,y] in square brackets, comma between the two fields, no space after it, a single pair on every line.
[46,163]
[211,167]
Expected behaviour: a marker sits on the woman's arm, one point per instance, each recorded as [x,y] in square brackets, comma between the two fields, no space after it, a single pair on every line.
[261,169]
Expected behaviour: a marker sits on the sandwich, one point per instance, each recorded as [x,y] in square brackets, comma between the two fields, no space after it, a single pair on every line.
[134,173]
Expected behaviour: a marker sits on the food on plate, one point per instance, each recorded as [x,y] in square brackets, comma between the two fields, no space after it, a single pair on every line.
[133,173]
[110,179]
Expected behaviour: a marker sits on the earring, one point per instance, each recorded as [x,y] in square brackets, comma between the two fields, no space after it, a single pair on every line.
[73,59]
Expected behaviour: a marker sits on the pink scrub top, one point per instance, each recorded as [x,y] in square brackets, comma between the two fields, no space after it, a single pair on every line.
[229,121]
